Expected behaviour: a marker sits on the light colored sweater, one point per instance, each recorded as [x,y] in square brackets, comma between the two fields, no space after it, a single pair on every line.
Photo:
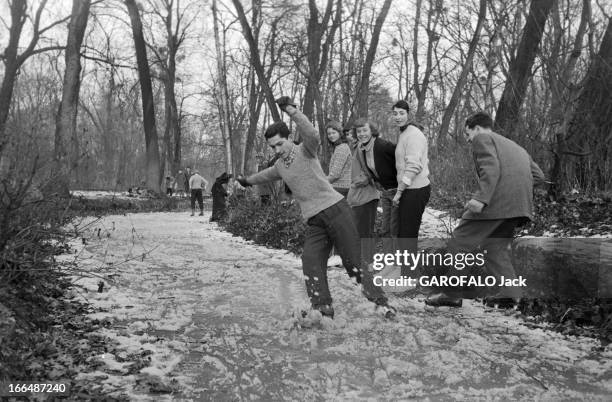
[197,182]
[304,176]
[340,167]
[411,159]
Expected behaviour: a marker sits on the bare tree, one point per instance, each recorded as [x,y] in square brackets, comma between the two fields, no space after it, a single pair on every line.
[317,60]
[467,68]
[13,60]
[256,60]
[272,54]
[153,176]
[221,87]
[364,82]
[176,21]
[65,129]
[589,138]
[563,92]
[520,68]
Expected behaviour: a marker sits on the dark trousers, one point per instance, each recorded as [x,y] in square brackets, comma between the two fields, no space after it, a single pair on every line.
[334,226]
[196,194]
[495,236]
[410,214]
[390,222]
[365,218]
[411,207]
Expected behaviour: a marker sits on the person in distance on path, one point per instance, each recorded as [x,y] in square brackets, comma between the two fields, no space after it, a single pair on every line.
[328,216]
[197,184]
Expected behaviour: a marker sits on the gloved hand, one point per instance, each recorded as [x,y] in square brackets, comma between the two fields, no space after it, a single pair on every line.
[243,181]
[285,101]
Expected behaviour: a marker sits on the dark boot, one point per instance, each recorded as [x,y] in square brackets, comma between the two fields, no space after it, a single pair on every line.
[441,299]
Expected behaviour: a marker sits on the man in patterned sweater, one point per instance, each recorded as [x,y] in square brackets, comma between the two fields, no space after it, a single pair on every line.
[329,218]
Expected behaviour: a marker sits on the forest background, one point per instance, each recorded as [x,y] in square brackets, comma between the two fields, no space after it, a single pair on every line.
[75,75]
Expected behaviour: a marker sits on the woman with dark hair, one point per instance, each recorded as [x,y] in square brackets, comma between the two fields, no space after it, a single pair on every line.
[340,163]
[413,188]
[219,192]
[377,159]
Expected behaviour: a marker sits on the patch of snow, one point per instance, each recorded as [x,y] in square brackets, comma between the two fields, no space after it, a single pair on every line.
[215,315]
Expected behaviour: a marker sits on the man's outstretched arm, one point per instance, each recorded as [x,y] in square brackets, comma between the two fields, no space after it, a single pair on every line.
[266,175]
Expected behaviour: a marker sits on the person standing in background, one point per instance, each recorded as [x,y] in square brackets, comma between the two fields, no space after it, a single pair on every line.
[198,185]
[362,197]
[340,163]
[169,183]
[187,177]
[219,193]
[413,189]
[179,183]
[377,157]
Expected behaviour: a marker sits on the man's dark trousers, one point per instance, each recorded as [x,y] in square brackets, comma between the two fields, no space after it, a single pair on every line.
[495,236]
[196,194]
[334,226]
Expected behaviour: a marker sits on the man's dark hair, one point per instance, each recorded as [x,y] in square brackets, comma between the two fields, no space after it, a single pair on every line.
[481,119]
[279,128]
[401,104]
[362,121]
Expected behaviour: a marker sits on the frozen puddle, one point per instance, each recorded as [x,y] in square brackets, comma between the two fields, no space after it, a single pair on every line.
[213,314]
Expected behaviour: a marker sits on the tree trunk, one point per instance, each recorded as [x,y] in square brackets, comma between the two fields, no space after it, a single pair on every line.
[589,130]
[255,98]
[222,92]
[563,104]
[11,65]
[153,177]
[520,68]
[65,129]
[364,83]
[415,50]
[256,60]
[432,40]
[317,57]
[467,68]
[348,72]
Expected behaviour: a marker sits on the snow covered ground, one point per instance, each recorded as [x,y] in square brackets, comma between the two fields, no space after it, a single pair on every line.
[212,315]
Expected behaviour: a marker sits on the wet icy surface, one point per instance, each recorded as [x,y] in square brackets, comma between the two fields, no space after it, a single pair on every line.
[216,313]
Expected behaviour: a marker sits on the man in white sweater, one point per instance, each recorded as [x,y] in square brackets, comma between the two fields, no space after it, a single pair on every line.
[413,188]
[197,184]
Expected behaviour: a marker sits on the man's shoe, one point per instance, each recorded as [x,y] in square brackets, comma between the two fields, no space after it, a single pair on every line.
[201,213]
[326,310]
[440,299]
[501,302]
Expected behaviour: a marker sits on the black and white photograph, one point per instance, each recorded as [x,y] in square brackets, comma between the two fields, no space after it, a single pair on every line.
[306,200]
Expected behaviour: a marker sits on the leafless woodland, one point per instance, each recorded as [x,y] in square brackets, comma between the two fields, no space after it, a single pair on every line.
[107,94]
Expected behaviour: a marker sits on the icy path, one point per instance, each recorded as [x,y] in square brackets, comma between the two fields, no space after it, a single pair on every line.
[213,314]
